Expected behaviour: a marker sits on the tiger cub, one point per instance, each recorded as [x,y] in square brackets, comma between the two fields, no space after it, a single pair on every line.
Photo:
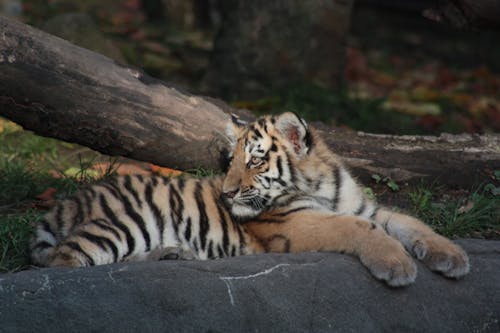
[285,191]
[295,195]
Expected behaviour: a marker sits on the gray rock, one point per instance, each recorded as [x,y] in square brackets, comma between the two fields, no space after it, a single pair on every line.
[309,292]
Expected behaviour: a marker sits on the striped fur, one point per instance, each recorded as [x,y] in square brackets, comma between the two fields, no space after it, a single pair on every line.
[136,218]
[284,191]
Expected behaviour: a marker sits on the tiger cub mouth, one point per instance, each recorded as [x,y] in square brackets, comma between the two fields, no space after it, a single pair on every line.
[244,208]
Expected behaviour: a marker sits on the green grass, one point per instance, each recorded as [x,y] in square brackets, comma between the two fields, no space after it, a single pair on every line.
[201,172]
[15,235]
[477,214]
[20,184]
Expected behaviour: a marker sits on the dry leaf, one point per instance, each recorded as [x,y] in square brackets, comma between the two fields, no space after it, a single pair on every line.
[164,171]
[45,200]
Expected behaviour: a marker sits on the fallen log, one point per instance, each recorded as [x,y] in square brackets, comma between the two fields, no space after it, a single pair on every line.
[57,89]
[307,292]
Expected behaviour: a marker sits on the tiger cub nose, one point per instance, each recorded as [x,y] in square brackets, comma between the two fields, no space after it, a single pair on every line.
[230,194]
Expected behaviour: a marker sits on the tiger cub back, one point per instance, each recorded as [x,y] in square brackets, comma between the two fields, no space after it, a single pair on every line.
[133,217]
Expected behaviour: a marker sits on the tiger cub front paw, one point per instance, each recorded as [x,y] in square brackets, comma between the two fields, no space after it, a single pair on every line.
[441,255]
[392,265]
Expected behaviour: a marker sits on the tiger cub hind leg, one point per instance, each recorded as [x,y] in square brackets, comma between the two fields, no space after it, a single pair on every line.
[435,251]
[88,244]
[66,257]
[78,252]
[384,256]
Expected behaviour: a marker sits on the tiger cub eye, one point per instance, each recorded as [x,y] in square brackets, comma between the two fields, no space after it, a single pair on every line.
[256,160]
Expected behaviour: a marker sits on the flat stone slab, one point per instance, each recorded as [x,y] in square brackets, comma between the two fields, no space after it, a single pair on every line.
[308,292]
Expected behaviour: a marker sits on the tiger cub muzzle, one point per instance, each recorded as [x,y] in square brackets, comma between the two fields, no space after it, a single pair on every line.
[244,203]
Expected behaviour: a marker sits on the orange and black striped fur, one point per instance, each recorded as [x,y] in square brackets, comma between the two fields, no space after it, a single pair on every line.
[137,218]
[285,191]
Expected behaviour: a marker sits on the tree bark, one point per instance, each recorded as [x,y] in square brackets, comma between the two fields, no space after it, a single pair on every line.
[57,89]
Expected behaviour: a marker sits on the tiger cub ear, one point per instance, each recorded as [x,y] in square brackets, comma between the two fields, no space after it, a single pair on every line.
[234,129]
[295,130]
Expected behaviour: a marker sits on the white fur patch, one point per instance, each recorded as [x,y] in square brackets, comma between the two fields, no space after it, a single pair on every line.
[243,211]
[349,194]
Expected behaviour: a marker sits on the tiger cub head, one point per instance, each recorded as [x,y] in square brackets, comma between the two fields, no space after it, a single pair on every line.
[263,162]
